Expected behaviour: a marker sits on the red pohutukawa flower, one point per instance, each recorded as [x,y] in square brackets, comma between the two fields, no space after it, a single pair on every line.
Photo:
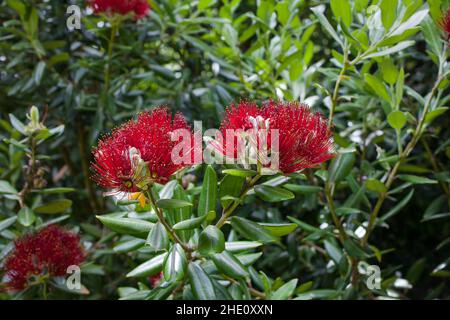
[304,141]
[139,8]
[445,23]
[49,251]
[139,152]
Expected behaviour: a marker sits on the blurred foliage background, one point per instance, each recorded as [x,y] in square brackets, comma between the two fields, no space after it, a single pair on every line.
[199,56]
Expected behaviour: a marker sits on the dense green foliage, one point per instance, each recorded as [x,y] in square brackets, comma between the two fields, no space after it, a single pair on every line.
[377,69]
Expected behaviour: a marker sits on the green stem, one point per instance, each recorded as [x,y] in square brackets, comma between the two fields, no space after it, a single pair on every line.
[408,149]
[228,211]
[335,96]
[107,75]
[253,292]
[334,216]
[170,231]
[44,289]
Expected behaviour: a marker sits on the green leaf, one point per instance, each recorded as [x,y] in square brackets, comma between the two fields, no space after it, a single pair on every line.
[228,264]
[203,4]
[129,245]
[342,211]
[6,187]
[285,291]
[252,230]
[230,186]
[375,185]
[17,124]
[190,223]
[210,241]
[398,207]
[181,214]
[236,246]
[334,252]
[279,229]
[434,114]
[54,207]
[389,71]
[397,119]
[175,264]
[388,12]
[342,10]
[340,167]
[240,172]
[432,35]
[398,47]
[26,217]
[249,258]
[54,190]
[324,22]
[158,239]
[399,86]
[135,227]
[7,222]
[303,189]
[305,226]
[412,22]
[173,203]
[273,194]
[416,179]
[354,250]
[283,12]
[208,196]
[163,291]
[201,284]
[318,294]
[38,72]
[148,268]
[416,270]
[378,87]
[167,191]
[361,5]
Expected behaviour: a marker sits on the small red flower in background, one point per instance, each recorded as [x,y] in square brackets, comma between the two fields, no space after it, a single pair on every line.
[50,251]
[445,23]
[147,140]
[304,139]
[155,280]
[139,8]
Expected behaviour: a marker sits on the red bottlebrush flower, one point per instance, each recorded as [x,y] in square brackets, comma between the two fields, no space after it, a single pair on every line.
[139,8]
[445,23]
[139,151]
[304,140]
[49,251]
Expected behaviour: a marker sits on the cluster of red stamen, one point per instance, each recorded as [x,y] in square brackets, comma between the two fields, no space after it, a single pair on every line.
[139,8]
[48,252]
[150,136]
[304,138]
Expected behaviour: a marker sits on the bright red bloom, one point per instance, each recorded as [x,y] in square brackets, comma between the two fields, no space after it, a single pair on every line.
[445,23]
[50,251]
[304,138]
[139,8]
[149,138]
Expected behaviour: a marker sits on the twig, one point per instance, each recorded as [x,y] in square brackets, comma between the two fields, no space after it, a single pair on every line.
[164,222]
[228,211]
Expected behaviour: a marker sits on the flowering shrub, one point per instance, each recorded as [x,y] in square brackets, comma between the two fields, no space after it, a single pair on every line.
[326,176]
